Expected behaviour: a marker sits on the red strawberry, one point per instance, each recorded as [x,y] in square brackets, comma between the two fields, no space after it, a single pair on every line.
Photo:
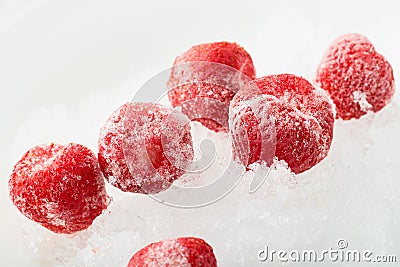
[302,117]
[182,252]
[205,87]
[60,187]
[357,78]
[144,147]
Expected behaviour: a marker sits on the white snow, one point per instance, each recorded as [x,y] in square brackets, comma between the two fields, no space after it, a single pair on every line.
[361,99]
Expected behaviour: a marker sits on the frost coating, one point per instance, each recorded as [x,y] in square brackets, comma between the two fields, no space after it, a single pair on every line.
[182,252]
[357,78]
[169,253]
[243,132]
[302,118]
[144,147]
[210,83]
[60,187]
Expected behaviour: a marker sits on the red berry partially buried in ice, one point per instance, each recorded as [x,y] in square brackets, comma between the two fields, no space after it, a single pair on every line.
[182,252]
[301,116]
[204,90]
[60,187]
[357,78]
[144,147]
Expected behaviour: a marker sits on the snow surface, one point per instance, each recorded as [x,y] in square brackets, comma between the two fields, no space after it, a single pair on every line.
[53,96]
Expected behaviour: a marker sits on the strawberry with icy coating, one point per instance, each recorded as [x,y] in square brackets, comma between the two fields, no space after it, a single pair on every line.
[204,91]
[144,147]
[60,187]
[357,78]
[302,120]
[227,53]
[182,252]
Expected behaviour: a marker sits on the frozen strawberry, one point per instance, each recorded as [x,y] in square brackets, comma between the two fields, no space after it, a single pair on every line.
[357,78]
[230,54]
[60,187]
[182,252]
[204,88]
[144,147]
[287,114]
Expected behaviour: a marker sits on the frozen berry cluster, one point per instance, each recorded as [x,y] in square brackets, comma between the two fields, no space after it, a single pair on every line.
[144,147]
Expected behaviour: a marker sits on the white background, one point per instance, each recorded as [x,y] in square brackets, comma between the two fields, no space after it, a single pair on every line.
[58,54]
